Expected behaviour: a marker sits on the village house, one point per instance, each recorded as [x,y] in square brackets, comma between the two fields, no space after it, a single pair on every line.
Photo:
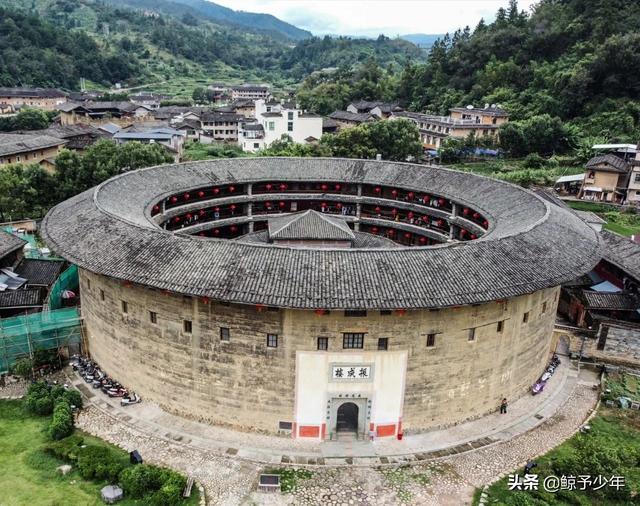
[47,99]
[346,119]
[243,106]
[463,121]
[378,109]
[173,140]
[279,119]
[221,126]
[606,179]
[97,113]
[250,91]
[148,99]
[29,148]
[78,137]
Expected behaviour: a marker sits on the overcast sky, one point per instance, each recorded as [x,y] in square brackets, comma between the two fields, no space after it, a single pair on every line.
[372,17]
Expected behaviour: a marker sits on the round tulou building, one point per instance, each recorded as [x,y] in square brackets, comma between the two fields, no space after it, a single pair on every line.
[320,295]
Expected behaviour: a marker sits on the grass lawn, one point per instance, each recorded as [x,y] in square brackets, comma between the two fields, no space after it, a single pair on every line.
[28,476]
[622,223]
[612,447]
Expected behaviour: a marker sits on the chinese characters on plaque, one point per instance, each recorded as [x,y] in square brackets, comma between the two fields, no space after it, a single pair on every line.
[351,372]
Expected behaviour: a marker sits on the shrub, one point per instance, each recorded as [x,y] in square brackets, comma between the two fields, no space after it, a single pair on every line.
[73,397]
[140,480]
[38,399]
[61,424]
[100,463]
[170,493]
[23,367]
[65,449]
[534,161]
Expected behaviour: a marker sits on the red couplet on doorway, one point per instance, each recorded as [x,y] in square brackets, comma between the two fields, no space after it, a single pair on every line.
[386,430]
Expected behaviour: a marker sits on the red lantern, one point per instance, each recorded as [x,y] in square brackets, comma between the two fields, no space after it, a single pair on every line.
[260,307]
[407,235]
[394,193]
[234,228]
[463,232]
[466,211]
[201,212]
[268,186]
[474,236]
[201,234]
[232,189]
[485,223]
[216,209]
[200,194]
[401,312]
[233,207]
[324,204]
[283,187]
[338,187]
[390,232]
[186,196]
[320,312]
[281,205]
[426,199]
[374,230]
[439,223]
[394,211]
[423,240]
[339,205]
[378,209]
[216,191]
[216,231]
[410,214]
[410,195]
[267,205]
[156,208]
[476,215]
[425,218]
[204,300]
[177,219]
[441,201]
[324,187]
[377,189]
[189,216]
[174,200]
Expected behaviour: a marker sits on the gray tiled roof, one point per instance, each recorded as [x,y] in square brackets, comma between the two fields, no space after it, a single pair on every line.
[611,162]
[362,240]
[617,301]
[622,252]
[39,272]
[352,116]
[530,244]
[11,144]
[29,297]
[32,93]
[310,225]
[9,243]
[590,217]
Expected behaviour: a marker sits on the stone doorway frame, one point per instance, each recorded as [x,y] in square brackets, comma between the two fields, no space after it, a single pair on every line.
[364,413]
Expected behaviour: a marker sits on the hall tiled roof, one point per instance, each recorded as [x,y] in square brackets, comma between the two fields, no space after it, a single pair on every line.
[30,297]
[39,272]
[309,225]
[530,244]
[610,162]
[622,252]
[614,301]
[9,243]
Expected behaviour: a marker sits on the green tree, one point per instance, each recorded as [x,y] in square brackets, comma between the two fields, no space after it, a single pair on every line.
[199,95]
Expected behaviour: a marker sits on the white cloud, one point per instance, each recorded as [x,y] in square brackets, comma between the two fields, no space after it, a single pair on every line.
[372,17]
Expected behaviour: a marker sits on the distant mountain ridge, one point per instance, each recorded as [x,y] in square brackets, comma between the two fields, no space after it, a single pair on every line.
[423,40]
[249,19]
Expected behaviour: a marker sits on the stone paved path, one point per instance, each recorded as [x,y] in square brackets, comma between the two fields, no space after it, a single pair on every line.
[448,480]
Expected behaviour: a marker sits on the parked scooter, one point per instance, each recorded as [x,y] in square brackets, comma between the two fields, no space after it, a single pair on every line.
[129,399]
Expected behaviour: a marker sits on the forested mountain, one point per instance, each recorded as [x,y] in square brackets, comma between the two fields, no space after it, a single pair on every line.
[140,42]
[574,61]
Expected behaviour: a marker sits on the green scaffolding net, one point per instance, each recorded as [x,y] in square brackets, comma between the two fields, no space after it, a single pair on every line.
[68,280]
[23,335]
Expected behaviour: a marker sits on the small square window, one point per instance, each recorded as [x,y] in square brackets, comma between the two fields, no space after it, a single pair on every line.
[431,340]
[500,326]
[353,340]
[544,307]
[225,335]
[471,336]
[187,326]
[153,317]
[355,312]
[102,295]
[272,340]
[525,317]
[323,343]
[125,306]
[383,343]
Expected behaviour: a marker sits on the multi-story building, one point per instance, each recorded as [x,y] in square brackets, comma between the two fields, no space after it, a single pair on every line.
[40,98]
[250,91]
[462,122]
[279,119]
[633,192]
[221,126]
[25,148]
[607,179]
